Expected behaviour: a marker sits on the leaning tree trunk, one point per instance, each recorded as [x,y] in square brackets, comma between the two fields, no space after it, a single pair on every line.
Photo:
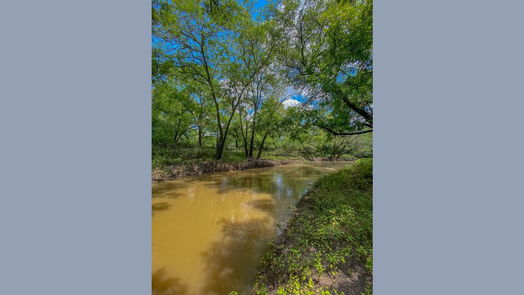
[261,145]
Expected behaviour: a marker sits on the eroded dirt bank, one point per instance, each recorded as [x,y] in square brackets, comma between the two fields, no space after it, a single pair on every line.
[178,171]
[183,170]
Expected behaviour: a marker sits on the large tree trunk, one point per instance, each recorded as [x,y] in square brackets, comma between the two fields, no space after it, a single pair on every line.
[261,145]
[219,151]
[199,136]
[223,140]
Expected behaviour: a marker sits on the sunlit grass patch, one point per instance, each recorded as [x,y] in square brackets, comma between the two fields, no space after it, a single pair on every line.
[327,246]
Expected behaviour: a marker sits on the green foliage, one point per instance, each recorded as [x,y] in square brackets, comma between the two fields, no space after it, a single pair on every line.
[323,43]
[220,76]
[219,79]
[333,229]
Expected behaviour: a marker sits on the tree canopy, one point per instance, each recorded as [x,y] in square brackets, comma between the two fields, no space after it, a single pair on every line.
[233,74]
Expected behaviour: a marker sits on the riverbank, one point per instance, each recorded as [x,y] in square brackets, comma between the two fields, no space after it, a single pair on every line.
[327,245]
[194,169]
[169,165]
[176,171]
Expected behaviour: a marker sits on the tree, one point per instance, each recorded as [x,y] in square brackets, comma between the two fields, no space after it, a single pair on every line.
[327,53]
[220,51]
[171,121]
[220,71]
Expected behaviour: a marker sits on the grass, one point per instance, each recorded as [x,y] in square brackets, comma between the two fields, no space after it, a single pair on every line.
[327,246]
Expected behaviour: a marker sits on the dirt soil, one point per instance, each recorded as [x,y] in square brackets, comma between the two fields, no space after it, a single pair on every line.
[178,171]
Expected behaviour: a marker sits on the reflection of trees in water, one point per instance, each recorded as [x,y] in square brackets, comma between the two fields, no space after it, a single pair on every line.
[266,205]
[170,190]
[162,284]
[230,262]
[160,206]
[271,181]
[174,189]
[285,182]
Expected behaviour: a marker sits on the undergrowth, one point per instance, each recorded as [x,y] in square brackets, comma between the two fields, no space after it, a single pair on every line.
[327,246]
[163,157]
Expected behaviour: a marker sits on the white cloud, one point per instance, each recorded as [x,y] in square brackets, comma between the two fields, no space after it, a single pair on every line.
[290,102]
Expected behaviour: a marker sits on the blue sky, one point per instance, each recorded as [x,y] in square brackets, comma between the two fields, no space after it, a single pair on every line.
[258,5]
[291,93]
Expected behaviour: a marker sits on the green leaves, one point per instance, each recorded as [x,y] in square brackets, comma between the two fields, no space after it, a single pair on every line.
[322,41]
[220,61]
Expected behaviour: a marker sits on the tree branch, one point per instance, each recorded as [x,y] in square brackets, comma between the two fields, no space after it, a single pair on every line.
[336,133]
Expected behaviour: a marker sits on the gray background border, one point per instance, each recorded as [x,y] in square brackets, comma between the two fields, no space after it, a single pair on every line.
[448,149]
[75,147]
[75,216]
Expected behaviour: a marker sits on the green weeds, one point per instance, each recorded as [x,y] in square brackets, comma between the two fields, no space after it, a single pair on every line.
[327,241]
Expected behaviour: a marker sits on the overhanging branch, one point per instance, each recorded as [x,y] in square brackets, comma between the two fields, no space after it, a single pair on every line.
[342,133]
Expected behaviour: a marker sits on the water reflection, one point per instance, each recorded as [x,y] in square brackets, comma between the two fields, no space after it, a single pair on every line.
[160,206]
[229,261]
[209,231]
[165,285]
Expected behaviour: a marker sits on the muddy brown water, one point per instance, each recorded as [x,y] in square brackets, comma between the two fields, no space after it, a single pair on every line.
[209,232]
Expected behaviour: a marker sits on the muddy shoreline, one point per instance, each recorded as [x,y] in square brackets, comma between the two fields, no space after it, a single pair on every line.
[184,170]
